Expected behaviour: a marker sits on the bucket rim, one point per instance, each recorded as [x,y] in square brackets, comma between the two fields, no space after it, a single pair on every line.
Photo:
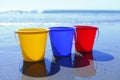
[85,27]
[60,28]
[31,30]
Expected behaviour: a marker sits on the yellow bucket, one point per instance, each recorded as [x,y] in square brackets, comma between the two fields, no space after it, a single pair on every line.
[33,43]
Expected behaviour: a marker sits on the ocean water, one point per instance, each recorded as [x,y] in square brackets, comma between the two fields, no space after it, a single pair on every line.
[107,45]
[57,18]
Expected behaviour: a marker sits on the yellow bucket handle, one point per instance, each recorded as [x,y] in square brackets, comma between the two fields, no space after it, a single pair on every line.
[16,38]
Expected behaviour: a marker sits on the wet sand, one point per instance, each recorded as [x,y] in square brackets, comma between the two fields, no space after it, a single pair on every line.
[102,64]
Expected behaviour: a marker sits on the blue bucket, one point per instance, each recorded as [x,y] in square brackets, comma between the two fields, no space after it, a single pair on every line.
[61,40]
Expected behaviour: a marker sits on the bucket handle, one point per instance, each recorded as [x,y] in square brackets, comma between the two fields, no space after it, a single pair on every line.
[98,33]
[16,38]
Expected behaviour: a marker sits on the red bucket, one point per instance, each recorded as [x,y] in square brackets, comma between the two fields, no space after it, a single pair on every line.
[84,38]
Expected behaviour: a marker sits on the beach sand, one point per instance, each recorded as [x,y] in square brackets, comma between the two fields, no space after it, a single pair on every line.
[104,66]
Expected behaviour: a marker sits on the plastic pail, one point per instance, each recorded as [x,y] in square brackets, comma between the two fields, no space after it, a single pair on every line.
[33,43]
[61,40]
[84,38]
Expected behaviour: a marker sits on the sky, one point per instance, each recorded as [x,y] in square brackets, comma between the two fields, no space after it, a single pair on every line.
[6,5]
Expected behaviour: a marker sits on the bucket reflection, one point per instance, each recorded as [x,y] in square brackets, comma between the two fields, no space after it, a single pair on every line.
[82,59]
[39,69]
[86,71]
[36,69]
[74,60]
[65,61]
[66,72]
[85,66]
[82,63]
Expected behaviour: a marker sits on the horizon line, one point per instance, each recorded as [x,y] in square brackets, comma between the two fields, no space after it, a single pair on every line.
[62,10]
